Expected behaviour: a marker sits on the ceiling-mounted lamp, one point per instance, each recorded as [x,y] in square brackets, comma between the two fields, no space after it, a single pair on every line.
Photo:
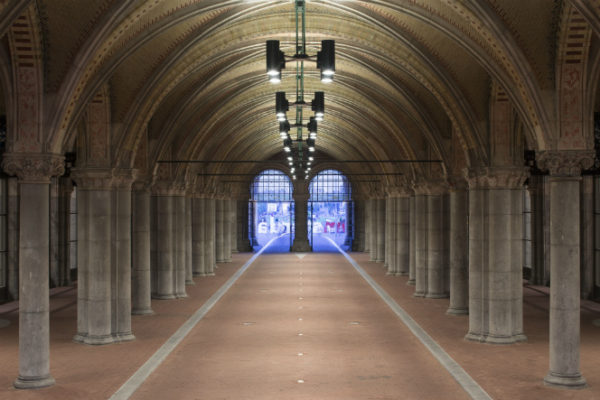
[318,105]
[281,106]
[275,61]
[310,143]
[312,128]
[284,129]
[326,60]
[287,145]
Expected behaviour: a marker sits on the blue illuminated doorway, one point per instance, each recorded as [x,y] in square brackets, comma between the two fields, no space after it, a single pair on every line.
[330,211]
[271,211]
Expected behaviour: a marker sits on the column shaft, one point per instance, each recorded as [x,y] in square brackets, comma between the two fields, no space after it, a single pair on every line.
[140,282]
[220,230]
[210,260]
[380,212]
[420,245]
[198,236]
[163,262]
[436,250]
[459,263]
[402,236]
[412,248]
[390,235]
[179,245]
[373,231]
[189,273]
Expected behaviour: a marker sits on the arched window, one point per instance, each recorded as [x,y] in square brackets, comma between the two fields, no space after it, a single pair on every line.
[271,210]
[330,211]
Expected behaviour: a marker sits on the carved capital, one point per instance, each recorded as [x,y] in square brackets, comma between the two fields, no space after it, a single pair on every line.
[430,188]
[457,182]
[123,178]
[33,167]
[93,178]
[398,191]
[567,163]
[496,178]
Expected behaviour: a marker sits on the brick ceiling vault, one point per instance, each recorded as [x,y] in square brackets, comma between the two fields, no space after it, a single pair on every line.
[187,77]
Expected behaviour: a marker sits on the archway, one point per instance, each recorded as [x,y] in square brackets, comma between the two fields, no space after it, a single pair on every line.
[271,211]
[330,211]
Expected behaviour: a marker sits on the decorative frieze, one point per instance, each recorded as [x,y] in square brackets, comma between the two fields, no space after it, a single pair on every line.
[33,167]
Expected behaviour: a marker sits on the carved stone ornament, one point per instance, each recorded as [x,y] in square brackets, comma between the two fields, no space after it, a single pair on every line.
[567,163]
[167,188]
[431,187]
[33,167]
[398,191]
[496,178]
[123,178]
[93,178]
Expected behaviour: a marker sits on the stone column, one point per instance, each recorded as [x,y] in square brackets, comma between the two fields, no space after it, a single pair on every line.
[198,236]
[13,238]
[359,225]
[140,247]
[390,233]
[163,259]
[55,272]
[540,253]
[301,243]
[65,191]
[380,212]
[587,236]
[437,255]
[402,234]
[243,234]
[179,243]
[420,241]
[373,231]
[412,247]
[367,224]
[94,224]
[220,230]
[496,255]
[189,273]
[233,205]
[565,178]
[121,255]
[34,172]
[227,229]
[459,250]
[210,258]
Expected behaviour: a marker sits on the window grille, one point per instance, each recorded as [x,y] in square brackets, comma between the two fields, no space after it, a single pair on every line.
[272,186]
[330,185]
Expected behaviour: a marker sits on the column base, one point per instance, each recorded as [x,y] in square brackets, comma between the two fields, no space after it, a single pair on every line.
[190,282]
[93,340]
[379,261]
[37,382]
[197,274]
[563,381]
[419,294]
[491,339]
[437,295]
[392,273]
[163,296]
[301,247]
[146,311]
[124,337]
[401,273]
[457,311]
[411,282]
[182,295]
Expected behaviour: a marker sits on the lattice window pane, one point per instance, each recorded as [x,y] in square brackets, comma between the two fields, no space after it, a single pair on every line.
[272,186]
[330,185]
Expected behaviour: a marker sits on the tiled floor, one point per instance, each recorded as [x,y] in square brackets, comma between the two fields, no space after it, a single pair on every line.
[351,345]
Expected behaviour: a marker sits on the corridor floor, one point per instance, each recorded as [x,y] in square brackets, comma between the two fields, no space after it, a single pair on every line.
[299,326]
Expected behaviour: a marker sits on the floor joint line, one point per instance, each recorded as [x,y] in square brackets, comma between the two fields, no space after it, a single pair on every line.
[140,376]
[458,373]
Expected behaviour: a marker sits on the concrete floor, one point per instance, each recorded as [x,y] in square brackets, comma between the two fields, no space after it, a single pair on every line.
[248,346]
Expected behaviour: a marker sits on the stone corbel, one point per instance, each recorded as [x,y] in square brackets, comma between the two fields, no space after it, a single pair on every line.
[33,167]
[565,163]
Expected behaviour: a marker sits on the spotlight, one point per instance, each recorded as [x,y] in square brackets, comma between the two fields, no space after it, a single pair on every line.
[289,158]
[275,61]
[287,145]
[326,60]
[318,105]
[294,177]
[284,128]
[310,143]
[311,158]
[312,126]
[281,105]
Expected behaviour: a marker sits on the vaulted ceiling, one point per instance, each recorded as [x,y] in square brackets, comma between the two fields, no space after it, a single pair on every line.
[413,77]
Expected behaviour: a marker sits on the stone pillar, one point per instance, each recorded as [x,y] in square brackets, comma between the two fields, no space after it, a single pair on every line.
[420,242]
[367,224]
[189,273]
[140,247]
[496,255]
[34,172]
[55,272]
[390,233]
[587,236]
[233,205]
[402,234]
[565,178]
[459,251]
[437,254]
[540,253]
[380,212]
[13,238]
[163,257]
[220,230]
[210,257]
[373,231]
[121,256]
[301,243]
[389,216]
[65,191]
[94,285]
[198,236]
[179,244]
[412,247]
[359,225]
[227,229]
[243,234]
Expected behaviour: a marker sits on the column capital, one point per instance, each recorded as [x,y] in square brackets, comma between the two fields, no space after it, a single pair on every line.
[457,182]
[33,167]
[496,178]
[124,178]
[398,191]
[431,187]
[93,178]
[566,163]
